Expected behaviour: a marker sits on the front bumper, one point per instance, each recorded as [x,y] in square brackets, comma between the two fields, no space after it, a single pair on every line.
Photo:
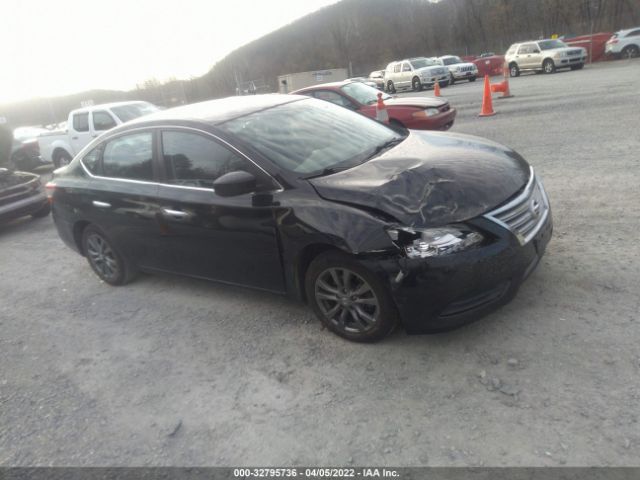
[465,75]
[431,81]
[441,121]
[567,61]
[23,207]
[440,294]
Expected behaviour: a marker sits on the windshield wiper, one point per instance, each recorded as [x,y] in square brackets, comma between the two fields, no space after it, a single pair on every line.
[330,171]
[385,146]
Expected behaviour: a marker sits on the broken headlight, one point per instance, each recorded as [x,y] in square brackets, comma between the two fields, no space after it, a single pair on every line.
[435,242]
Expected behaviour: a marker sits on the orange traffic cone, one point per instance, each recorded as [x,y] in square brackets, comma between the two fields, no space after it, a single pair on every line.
[381,110]
[487,105]
[503,86]
[436,89]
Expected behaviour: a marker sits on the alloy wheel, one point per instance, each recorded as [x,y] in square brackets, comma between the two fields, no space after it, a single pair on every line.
[347,300]
[102,257]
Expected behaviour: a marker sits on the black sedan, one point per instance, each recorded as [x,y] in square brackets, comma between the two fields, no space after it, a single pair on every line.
[21,194]
[369,226]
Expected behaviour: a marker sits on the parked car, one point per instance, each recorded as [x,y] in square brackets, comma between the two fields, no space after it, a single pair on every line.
[25,152]
[458,68]
[420,113]
[290,194]
[416,74]
[625,43]
[378,78]
[363,80]
[21,194]
[545,56]
[85,124]
[489,65]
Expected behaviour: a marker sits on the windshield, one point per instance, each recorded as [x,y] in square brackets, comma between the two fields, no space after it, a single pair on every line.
[451,60]
[133,110]
[422,62]
[362,93]
[310,136]
[549,44]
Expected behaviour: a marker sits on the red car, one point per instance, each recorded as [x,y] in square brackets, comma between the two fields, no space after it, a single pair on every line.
[417,113]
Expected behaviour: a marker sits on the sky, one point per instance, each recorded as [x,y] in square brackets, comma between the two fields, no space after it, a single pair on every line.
[58,47]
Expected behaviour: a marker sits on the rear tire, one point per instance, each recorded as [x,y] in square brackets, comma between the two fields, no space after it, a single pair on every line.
[514,70]
[416,84]
[61,158]
[548,66]
[104,258]
[348,299]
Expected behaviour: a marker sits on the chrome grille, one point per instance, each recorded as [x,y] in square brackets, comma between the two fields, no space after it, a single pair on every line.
[525,214]
[574,52]
[437,71]
[466,69]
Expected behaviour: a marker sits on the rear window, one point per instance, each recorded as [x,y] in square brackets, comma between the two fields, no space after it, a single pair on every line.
[129,156]
[134,110]
[81,122]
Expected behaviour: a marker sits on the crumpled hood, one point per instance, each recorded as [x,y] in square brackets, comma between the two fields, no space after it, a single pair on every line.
[431,179]
[420,102]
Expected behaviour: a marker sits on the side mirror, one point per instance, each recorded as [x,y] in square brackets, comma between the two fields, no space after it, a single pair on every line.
[235,183]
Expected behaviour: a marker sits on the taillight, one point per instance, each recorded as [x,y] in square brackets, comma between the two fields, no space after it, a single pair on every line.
[50,188]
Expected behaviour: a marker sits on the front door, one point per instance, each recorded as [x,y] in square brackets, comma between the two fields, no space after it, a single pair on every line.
[202,234]
[79,132]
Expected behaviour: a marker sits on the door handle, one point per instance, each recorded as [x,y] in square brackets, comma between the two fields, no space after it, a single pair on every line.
[175,213]
[99,204]
[74,138]
[94,136]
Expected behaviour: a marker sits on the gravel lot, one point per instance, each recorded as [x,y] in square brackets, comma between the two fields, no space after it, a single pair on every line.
[172,371]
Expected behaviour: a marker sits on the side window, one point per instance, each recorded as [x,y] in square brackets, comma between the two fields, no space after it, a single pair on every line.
[129,156]
[633,33]
[81,122]
[193,160]
[396,68]
[91,160]
[103,121]
[333,97]
[525,49]
[406,67]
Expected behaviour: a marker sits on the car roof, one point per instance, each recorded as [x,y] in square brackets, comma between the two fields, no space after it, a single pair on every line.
[107,105]
[220,110]
[627,30]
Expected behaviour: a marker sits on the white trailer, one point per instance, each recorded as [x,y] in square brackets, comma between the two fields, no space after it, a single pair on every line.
[295,81]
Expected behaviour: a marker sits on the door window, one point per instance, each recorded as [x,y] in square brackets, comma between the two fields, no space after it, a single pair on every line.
[103,121]
[91,160]
[193,160]
[129,156]
[406,67]
[81,122]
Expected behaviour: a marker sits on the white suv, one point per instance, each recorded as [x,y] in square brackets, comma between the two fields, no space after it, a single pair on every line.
[458,69]
[625,43]
[415,73]
[544,55]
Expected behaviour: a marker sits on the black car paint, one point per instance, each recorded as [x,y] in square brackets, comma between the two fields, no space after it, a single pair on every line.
[21,194]
[266,240]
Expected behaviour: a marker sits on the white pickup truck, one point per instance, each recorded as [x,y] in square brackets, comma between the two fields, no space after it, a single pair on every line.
[85,124]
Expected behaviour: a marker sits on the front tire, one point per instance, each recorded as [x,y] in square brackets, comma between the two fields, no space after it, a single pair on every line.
[348,299]
[61,158]
[390,87]
[416,84]
[104,259]
[472,79]
[43,212]
[548,66]
[452,79]
[631,51]
[577,67]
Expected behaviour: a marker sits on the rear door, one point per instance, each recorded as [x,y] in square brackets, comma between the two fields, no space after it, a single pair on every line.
[201,234]
[79,131]
[405,75]
[122,199]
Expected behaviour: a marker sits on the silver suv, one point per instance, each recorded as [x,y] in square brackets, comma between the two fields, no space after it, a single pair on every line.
[415,73]
[458,69]
[544,55]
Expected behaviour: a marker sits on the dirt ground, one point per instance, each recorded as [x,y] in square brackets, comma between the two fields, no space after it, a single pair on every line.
[173,371]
